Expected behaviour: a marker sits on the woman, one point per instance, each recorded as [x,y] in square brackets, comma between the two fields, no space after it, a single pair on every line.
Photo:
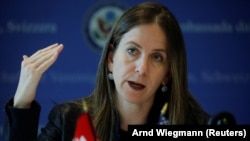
[142,68]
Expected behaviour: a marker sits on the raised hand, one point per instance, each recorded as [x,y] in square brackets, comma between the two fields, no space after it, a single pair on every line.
[32,69]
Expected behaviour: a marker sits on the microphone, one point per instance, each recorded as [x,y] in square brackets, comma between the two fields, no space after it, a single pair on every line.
[222,118]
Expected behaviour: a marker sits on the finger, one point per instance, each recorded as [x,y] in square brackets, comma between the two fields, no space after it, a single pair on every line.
[60,48]
[40,54]
[45,64]
[25,57]
[47,60]
[44,50]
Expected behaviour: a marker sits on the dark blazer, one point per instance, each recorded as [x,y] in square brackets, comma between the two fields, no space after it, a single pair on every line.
[22,124]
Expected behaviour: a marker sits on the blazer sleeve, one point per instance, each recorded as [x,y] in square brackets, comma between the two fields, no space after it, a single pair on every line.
[21,124]
[61,122]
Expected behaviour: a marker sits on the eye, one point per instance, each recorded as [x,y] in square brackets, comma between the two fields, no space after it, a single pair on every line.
[158,57]
[132,51]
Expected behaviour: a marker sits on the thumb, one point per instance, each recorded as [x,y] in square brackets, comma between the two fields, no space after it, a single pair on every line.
[25,57]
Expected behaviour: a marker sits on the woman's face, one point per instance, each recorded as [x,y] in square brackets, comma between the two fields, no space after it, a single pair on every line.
[140,64]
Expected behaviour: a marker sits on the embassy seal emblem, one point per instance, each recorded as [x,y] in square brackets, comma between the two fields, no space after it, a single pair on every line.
[98,22]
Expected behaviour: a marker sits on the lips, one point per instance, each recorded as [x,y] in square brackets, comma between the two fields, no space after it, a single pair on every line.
[136,86]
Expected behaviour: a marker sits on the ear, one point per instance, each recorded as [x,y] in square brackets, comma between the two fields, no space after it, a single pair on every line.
[110,57]
[166,79]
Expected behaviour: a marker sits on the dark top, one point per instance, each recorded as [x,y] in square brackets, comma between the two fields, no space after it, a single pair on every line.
[22,124]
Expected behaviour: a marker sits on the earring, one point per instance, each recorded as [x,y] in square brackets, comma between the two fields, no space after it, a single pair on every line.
[164,88]
[110,76]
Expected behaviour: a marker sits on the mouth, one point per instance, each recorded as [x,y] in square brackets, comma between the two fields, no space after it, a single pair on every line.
[135,86]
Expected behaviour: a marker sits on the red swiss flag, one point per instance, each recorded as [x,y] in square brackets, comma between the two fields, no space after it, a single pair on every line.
[84,129]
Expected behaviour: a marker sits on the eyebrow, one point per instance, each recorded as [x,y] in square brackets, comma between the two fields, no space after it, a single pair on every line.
[137,45]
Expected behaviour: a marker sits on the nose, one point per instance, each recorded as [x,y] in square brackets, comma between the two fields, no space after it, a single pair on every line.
[142,66]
